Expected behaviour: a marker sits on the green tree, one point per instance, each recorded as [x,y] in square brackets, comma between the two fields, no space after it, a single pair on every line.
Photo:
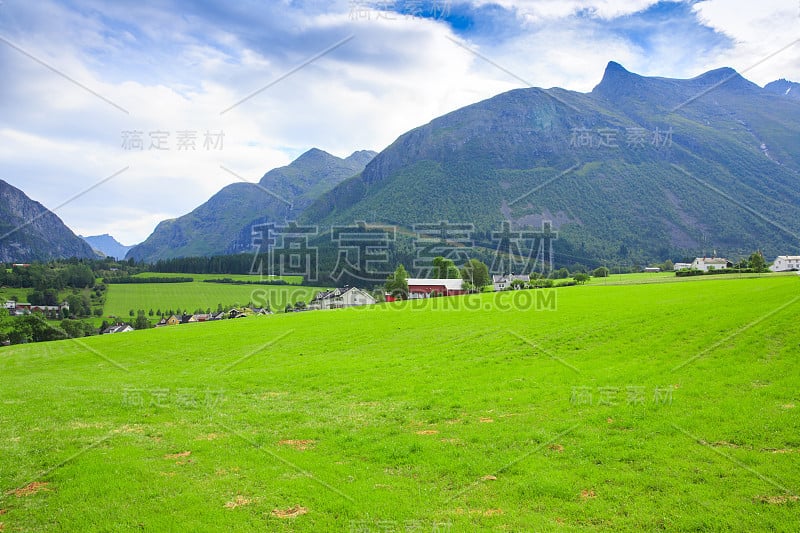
[757,262]
[141,321]
[444,268]
[581,278]
[397,283]
[131,313]
[476,273]
[600,272]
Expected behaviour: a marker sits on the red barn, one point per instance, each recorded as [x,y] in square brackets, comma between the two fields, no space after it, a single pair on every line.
[428,287]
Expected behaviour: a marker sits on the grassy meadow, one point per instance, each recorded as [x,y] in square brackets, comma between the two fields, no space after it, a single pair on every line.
[196,294]
[664,406]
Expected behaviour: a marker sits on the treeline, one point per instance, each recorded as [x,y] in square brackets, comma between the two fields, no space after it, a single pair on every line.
[221,264]
[246,282]
[121,280]
[43,276]
[34,328]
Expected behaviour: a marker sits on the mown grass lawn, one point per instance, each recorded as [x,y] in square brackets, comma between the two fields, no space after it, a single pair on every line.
[669,406]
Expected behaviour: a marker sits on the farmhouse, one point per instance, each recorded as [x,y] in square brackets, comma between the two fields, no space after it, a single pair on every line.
[652,270]
[21,308]
[428,287]
[503,282]
[785,263]
[340,298]
[117,328]
[171,321]
[706,263]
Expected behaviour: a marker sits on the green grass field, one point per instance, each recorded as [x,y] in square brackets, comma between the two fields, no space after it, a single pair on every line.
[292,280]
[199,295]
[667,406]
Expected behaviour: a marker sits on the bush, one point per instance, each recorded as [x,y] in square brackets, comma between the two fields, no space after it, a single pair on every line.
[600,272]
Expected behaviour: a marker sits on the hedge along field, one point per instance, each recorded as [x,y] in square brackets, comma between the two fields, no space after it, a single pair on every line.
[669,406]
[192,295]
[292,280]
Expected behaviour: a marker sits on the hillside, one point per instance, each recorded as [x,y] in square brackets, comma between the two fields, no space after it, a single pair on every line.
[30,232]
[443,416]
[639,169]
[107,245]
[223,224]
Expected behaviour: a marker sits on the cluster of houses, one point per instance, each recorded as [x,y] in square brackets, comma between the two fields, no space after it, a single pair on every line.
[174,320]
[24,308]
[782,263]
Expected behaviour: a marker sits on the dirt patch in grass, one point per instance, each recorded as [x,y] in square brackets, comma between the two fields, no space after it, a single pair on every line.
[129,429]
[484,512]
[298,444]
[486,420]
[588,494]
[210,436]
[427,432]
[787,406]
[239,501]
[273,394]
[779,450]
[30,489]
[177,455]
[489,477]
[451,441]
[3,511]
[556,448]
[778,500]
[291,512]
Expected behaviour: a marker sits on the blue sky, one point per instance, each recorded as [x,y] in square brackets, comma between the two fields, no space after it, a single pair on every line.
[340,75]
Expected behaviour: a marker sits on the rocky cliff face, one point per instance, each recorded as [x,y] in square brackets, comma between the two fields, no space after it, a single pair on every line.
[30,232]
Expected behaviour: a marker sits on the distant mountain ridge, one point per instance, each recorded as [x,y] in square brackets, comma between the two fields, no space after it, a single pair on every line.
[222,225]
[639,169]
[31,232]
[107,245]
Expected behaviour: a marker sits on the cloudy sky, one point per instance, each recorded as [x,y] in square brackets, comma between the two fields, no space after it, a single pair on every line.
[92,89]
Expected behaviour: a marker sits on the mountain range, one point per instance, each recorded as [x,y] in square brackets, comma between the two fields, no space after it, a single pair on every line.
[223,224]
[30,232]
[638,169]
[107,245]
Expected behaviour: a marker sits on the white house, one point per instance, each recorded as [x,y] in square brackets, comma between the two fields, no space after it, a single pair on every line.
[705,263]
[117,328]
[339,298]
[681,266]
[784,263]
[502,282]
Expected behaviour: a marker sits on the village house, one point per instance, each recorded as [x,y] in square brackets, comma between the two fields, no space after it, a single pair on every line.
[340,298]
[171,321]
[706,263]
[429,287]
[503,282]
[21,308]
[785,263]
[117,328]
